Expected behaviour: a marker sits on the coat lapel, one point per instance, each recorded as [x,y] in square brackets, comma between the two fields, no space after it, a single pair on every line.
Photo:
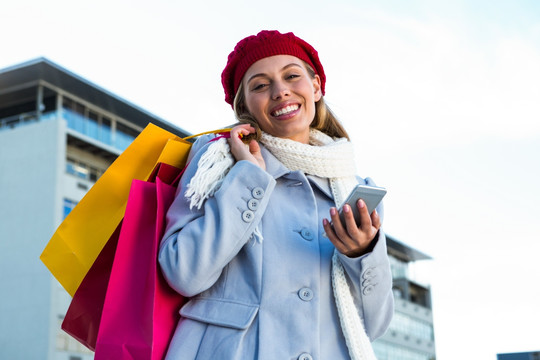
[273,166]
[276,169]
[322,184]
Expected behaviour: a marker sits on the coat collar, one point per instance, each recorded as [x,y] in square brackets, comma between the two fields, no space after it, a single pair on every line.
[322,183]
[273,166]
[276,169]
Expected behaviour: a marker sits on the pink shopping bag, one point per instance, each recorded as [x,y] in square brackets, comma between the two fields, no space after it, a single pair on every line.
[140,311]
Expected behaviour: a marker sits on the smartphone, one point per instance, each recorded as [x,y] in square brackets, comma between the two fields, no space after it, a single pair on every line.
[372,196]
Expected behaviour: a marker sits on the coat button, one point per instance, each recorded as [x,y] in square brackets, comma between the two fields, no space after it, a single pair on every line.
[248,216]
[307,234]
[253,204]
[368,273]
[258,193]
[305,294]
[367,290]
[305,356]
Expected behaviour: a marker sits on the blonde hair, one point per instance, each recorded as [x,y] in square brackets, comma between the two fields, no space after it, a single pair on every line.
[324,119]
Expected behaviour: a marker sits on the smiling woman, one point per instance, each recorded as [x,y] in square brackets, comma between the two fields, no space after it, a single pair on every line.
[248,238]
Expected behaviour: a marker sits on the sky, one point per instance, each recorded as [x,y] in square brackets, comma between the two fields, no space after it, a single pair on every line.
[441,99]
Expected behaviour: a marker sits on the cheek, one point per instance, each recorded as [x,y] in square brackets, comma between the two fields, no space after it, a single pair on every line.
[254,105]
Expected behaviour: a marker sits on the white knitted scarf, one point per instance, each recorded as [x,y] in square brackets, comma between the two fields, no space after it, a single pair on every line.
[323,157]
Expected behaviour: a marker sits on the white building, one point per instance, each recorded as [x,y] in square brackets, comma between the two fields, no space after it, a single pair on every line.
[410,335]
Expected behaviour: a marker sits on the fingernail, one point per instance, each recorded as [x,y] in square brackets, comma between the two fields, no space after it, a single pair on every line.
[361,203]
[325,222]
[346,208]
[333,211]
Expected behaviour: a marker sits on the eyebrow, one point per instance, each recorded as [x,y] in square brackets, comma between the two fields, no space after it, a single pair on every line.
[263,74]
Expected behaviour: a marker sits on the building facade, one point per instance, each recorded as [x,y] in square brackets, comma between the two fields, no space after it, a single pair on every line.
[410,335]
[58,134]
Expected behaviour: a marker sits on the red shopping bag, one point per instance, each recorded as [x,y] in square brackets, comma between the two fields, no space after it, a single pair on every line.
[84,313]
[140,311]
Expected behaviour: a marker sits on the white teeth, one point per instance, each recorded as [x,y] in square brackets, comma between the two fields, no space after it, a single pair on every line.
[286,110]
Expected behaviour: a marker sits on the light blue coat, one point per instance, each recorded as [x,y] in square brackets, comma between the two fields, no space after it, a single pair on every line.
[270,297]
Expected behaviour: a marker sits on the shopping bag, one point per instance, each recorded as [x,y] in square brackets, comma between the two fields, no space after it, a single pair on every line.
[82,235]
[83,316]
[84,313]
[140,311]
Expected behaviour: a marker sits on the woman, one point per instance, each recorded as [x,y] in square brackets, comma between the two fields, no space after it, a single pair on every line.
[254,237]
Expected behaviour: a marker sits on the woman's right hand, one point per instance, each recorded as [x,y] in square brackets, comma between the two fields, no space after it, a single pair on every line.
[241,151]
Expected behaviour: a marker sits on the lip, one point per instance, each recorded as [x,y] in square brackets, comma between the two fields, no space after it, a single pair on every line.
[282,106]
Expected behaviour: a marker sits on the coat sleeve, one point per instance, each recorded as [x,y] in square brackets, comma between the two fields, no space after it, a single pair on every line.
[370,279]
[199,243]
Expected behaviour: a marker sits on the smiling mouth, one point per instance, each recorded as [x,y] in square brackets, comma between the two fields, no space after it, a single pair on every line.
[286,110]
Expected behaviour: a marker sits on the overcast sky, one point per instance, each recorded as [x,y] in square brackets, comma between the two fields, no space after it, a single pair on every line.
[442,100]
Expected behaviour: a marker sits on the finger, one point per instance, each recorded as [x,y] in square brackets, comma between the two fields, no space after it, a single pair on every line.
[350,223]
[240,131]
[331,234]
[365,219]
[255,150]
[375,219]
[244,129]
[343,237]
[254,147]
[336,222]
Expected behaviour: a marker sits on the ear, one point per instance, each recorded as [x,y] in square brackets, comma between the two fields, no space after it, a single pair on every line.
[317,87]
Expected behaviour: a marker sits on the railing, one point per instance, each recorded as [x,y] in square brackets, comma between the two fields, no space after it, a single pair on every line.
[14,121]
[91,128]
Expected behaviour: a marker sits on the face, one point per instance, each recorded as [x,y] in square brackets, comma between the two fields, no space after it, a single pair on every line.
[281,95]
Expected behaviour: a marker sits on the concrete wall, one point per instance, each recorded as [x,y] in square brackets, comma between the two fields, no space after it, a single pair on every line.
[32,162]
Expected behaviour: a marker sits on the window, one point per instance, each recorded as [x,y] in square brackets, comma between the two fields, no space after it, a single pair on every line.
[105,130]
[387,351]
[407,325]
[68,206]
[77,168]
[124,136]
[82,170]
[96,125]
[399,268]
[93,124]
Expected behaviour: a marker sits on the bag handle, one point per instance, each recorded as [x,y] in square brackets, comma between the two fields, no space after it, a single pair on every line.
[224,133]
[220,131]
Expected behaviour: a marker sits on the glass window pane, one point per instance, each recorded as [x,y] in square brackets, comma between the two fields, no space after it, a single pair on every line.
[124,136]
[93,125]
[68,206]
[105,133]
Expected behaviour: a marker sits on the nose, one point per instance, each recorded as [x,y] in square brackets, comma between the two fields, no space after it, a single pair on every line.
[280,90]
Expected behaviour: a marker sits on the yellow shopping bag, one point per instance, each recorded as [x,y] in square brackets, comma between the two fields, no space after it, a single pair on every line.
[84,232]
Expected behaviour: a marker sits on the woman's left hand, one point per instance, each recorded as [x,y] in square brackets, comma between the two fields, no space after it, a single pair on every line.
[351,239]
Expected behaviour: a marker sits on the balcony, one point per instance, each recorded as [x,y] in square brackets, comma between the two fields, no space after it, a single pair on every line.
[101,131]
[119,138]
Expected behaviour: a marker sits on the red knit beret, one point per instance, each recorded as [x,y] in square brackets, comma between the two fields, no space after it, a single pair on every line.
[256,47]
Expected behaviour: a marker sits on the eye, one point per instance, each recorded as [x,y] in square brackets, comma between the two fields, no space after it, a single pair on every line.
[292,76]
[258,86]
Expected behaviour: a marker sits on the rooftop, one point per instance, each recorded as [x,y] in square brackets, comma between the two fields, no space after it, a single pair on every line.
[19,82]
